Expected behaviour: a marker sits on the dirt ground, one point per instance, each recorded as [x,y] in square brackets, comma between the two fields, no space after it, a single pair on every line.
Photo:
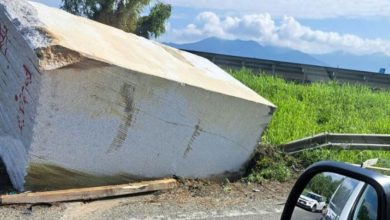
[192,199]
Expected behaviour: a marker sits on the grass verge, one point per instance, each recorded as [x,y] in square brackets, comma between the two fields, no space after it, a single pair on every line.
[308,109]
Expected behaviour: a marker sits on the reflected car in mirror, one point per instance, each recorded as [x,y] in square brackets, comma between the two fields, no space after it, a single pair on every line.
[312,201]
[337,191]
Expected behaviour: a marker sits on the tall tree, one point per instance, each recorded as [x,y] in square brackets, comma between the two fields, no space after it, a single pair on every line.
[323,185]
[123,14]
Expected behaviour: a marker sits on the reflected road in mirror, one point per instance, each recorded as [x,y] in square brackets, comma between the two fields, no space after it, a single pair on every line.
[300,213]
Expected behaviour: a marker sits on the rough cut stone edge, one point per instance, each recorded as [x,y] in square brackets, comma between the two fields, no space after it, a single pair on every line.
[24,17]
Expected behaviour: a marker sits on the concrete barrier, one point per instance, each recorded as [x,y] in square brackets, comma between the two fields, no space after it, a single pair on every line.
[85,104]
[297,72]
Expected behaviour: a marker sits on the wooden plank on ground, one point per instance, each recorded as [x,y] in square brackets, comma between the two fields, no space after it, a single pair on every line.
[87,193]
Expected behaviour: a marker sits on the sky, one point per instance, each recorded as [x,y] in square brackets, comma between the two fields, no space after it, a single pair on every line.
[358,27]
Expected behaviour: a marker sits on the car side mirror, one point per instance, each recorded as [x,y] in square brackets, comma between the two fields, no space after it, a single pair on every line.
[332,190]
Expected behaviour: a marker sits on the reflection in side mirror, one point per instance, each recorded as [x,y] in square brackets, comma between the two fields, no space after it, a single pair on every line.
[332,196]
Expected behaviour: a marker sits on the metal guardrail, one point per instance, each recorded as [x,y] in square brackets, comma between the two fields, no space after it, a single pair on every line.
[344,141]
[299,72]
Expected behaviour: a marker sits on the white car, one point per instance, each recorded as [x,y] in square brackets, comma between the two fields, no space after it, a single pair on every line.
[312,201]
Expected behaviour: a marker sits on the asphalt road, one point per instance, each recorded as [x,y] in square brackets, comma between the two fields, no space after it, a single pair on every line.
[302,214]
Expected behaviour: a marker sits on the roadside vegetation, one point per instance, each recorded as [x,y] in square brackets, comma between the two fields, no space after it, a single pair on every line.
[124,14]
[308,109]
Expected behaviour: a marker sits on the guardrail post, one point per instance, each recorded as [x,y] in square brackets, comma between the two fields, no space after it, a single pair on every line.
[304,74]
[243,64]
[273,69]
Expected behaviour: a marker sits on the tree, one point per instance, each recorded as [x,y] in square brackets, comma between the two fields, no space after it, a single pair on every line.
[123,14]
[324,185]
[363,213]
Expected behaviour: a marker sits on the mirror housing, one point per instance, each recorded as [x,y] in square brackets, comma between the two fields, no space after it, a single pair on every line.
[379,182]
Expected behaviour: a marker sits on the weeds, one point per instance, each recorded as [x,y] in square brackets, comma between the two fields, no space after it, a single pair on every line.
[308,109]
[271,164]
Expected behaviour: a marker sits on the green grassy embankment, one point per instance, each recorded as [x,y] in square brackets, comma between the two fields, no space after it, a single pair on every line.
[308,109]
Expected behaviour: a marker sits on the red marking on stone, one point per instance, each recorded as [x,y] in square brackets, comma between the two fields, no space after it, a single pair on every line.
[28,74]
[21,109]
[21,98]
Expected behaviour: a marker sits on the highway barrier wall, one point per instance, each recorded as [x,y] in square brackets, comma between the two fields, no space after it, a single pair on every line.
[303,73]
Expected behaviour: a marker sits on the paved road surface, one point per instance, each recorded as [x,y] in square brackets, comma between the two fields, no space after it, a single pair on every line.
[302,214]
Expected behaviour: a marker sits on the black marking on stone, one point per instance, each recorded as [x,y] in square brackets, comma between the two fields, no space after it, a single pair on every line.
[127,96]
[194,135]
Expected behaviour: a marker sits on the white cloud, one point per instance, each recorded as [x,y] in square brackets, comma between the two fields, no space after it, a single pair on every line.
[295,8]
[287,33]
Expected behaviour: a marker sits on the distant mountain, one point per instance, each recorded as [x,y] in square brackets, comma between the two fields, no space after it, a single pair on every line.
[343,60]
[370,63]
[249,49]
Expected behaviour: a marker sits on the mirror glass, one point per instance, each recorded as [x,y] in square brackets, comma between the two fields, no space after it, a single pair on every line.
[331,196]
